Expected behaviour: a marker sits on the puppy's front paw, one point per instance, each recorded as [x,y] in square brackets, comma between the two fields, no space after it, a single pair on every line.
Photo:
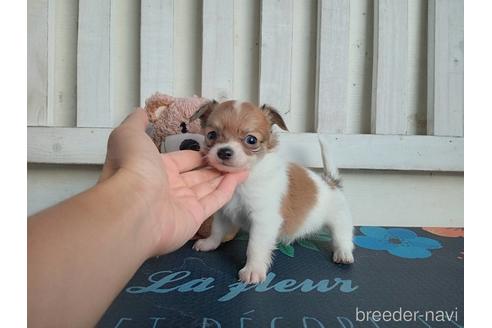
[343,256]
[205,245]
[252,275]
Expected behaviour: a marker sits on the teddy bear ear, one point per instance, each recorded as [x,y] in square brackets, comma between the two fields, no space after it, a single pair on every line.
[204,111]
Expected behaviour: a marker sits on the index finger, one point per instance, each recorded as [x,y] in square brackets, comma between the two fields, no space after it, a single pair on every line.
[184,160]
[199,176]
[223,193]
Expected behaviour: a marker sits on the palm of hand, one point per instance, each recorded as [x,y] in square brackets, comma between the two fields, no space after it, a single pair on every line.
[182,200]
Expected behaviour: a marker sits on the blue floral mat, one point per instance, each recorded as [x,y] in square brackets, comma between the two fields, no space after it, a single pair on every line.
[402,277]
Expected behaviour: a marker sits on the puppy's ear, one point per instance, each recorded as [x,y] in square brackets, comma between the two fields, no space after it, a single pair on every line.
[204,111]
[274,116]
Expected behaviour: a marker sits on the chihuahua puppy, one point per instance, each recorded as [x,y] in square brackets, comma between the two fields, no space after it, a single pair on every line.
[279,201]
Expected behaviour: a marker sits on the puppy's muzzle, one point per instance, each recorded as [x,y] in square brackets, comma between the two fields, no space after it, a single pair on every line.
[225,153]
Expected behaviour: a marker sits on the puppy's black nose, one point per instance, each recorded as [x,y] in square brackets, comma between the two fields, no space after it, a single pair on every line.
[225,153]
[189,144]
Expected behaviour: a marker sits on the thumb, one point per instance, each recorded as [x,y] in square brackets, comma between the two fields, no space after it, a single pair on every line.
[138,119]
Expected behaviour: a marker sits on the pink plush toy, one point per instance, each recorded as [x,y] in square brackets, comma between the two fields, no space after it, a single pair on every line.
[170,127]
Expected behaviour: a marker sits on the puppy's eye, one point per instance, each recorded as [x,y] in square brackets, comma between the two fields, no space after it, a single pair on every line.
[251,140]
[212,135]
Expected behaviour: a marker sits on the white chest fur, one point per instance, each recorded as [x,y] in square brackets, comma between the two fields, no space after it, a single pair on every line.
[261,192]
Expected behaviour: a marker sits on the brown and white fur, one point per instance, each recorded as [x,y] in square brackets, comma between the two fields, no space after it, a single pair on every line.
[279,201]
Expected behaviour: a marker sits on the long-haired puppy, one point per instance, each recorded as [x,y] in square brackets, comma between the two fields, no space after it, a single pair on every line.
[279,201]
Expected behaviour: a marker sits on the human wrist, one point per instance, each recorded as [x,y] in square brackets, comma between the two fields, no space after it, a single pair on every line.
[140,202]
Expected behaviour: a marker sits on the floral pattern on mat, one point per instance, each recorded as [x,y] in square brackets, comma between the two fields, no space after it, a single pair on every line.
[399,242]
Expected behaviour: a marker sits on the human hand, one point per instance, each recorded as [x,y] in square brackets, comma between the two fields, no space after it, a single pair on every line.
[176,191]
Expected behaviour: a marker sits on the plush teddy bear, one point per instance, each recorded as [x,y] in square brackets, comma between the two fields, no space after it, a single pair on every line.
[170,127]
[171,130]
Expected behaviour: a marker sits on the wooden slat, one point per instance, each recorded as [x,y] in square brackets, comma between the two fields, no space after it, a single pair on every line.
[63,90]
[425,153]
[40,62]
[385,152]
[67,145]
[389,84]
[94,82]
[445,66]
[332,63]
[156,48]
[218,49]
[276,55]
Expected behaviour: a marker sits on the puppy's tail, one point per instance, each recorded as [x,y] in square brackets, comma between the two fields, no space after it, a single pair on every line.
[330,171]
